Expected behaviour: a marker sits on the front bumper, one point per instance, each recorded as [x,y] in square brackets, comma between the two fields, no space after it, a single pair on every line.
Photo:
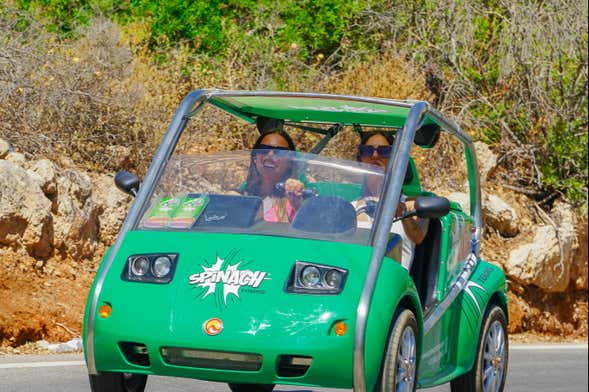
[294,348]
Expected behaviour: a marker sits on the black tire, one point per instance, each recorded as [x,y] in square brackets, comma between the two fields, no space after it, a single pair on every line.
[117,382]
[401,376]
[490,368]
[251,387]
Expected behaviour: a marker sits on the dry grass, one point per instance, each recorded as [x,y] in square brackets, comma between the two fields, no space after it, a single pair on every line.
[71,101]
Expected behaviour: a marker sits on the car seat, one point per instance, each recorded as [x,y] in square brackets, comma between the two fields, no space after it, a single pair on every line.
[325,214]
[426,264]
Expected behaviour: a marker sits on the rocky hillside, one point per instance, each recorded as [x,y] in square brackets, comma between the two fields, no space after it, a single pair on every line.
[56,222]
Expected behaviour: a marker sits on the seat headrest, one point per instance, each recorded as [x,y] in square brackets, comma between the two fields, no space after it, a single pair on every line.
[325,214]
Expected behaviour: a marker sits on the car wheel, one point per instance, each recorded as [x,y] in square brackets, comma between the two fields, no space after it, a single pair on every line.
[251,387]
[399,370]
[490,368]
[117,382]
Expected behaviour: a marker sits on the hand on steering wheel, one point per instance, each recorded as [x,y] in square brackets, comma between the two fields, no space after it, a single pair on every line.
[368,208]
[295,191]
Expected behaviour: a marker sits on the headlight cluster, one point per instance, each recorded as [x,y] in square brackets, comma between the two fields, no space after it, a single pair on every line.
[152,268]
[316,279]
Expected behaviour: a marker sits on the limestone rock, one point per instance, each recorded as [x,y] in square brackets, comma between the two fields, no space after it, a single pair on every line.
[25,212]
[112,207]
[563,216]
[4,148]
[45,173]
[487,160]
[16,157]
[499,215]
[539,263]
[579,270]
[75,214]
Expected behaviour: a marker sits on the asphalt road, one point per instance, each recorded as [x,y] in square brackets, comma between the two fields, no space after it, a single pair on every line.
[535,368]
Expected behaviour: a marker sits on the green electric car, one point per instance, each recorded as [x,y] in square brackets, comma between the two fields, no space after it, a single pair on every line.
[200,284]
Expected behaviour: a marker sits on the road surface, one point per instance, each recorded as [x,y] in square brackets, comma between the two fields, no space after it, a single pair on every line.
[538,368]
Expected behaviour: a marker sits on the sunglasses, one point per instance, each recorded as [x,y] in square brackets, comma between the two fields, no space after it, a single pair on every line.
[264,149]
[366,151]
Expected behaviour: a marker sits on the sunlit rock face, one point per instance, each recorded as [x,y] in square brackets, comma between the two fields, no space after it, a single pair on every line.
[25,212]
[500,215]
[547,262]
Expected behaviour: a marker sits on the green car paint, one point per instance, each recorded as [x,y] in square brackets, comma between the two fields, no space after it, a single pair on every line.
[393,288]
[244,277]
[286,323]
[302,107]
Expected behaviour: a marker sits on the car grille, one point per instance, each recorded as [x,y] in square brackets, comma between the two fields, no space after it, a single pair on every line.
[211,359]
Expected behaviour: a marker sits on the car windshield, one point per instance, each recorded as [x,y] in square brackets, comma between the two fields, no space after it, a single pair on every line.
[217,192]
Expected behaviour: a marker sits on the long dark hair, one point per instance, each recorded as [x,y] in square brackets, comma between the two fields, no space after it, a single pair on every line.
[253,181]
[364,136]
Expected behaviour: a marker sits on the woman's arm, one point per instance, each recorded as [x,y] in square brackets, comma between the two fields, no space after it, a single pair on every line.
[293,190]
[415,227]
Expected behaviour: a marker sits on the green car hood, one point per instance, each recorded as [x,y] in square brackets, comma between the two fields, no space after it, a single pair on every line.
[240,279]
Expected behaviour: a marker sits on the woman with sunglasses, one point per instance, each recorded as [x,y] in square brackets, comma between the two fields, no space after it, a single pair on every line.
[269,165]
[375,149]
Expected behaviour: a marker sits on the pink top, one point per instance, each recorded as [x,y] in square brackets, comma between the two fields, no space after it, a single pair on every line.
[271,214]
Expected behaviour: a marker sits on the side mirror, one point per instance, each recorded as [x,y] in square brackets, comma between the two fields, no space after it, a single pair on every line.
[431,206]
[427,136]
[127,182]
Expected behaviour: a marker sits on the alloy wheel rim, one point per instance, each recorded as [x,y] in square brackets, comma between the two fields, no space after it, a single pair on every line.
[494,358]
[406,360]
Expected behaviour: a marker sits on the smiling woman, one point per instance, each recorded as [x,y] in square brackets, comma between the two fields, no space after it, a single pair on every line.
[268,167]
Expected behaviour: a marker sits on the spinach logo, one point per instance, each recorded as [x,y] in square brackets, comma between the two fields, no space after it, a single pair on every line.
[226,278]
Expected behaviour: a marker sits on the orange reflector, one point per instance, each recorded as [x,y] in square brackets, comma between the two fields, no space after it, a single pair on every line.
[213,326]
[340,328]
[105,311]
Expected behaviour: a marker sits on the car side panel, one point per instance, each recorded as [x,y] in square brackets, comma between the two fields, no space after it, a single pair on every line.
[455,248]
[487,283]
[436,359]
[394,286]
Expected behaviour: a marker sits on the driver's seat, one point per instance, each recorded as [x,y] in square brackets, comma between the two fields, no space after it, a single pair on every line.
[426,264]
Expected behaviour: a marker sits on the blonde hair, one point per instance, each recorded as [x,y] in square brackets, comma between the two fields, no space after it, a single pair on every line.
[281,211]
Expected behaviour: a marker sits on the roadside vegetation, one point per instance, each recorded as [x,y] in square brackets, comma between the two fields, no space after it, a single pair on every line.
[80,76]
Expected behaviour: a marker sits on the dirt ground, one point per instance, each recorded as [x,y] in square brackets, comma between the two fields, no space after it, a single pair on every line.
[42,300]
[46,300]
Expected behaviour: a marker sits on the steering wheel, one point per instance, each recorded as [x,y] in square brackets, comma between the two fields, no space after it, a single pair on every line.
[369,208]
[306,192]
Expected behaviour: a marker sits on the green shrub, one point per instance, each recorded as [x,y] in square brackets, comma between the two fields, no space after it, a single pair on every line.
[565,165]
[312,27]
[515,74]
[63,16]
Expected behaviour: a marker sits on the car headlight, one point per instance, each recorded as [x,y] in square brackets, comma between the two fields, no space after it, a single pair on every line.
[310,276]
[150,268]
[313,278]
[334,277]
[162,266]
[140,265]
